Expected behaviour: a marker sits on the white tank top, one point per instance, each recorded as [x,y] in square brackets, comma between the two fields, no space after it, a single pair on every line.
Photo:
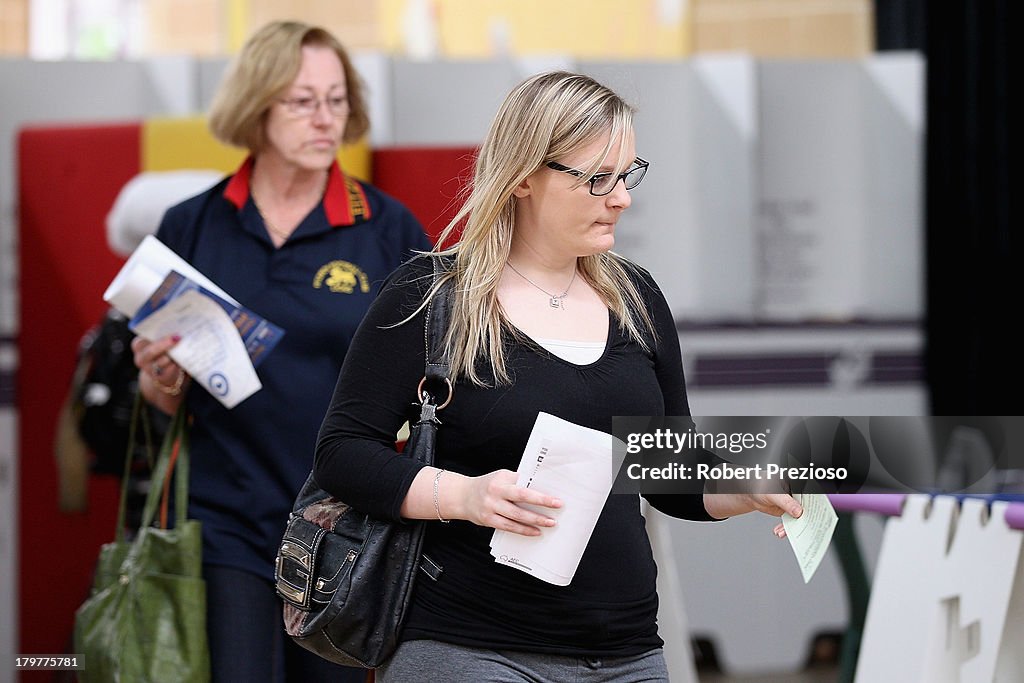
[576,352]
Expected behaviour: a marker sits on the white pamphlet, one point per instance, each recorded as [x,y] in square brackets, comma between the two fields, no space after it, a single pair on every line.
[810,533]
[210,350]
[573,463]
[164,295]
[145,269]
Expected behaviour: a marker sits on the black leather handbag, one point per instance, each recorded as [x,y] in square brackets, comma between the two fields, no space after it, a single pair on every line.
[346,577]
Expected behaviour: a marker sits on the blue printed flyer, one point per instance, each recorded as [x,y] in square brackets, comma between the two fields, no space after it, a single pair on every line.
[221,342]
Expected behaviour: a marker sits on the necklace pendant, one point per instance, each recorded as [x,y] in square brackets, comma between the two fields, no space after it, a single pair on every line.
[556,302]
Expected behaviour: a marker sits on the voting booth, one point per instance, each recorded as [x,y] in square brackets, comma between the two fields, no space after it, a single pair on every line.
[756,209]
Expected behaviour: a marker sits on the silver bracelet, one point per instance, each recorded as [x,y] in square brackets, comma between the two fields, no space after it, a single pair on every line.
[437,507]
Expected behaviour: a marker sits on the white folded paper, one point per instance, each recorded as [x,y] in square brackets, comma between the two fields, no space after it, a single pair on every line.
[810,533]
[210,350]
[145,269]
[573,463]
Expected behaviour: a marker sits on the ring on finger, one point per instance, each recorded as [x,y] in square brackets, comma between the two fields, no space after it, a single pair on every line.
[157,370]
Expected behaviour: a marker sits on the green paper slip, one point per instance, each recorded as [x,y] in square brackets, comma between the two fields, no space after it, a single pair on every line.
[811,534]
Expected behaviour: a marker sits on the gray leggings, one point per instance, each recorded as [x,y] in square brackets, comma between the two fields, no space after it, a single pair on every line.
[429,660]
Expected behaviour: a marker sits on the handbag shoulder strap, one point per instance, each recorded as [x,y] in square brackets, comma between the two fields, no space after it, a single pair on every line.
[437,369]
[173,457]
[122,506]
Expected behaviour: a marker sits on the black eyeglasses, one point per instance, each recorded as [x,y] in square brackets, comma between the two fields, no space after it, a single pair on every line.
[603,183]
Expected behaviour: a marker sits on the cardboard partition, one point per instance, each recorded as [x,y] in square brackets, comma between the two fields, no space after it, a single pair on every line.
[449,103]
[839,229]
[691,221]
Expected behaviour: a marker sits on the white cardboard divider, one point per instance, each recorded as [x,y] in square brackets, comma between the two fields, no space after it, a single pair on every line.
[810,213]
[374,68]
[691,222]
[449,103]
[726,187]
[673,626]
[839,211]
[210,74]
[894,284]
[947,602]
[779,190]
[174,80]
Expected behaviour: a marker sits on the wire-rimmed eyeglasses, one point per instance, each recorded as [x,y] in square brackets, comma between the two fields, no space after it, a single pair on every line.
[603,183]
[307,105]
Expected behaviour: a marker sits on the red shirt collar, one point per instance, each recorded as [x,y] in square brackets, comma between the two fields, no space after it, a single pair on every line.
[344,200]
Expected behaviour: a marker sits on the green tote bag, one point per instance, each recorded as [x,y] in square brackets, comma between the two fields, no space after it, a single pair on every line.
[145,619]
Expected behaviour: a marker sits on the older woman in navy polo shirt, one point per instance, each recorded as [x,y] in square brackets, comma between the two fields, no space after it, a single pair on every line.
[294,239]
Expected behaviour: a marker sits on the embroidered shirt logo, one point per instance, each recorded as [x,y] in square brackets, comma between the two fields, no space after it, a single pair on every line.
[341,277]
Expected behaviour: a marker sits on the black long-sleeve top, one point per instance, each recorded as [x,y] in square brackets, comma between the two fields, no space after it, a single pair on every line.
[610,607]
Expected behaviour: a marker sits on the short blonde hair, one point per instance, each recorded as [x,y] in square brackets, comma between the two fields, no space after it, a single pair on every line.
[546,118]
[267,65]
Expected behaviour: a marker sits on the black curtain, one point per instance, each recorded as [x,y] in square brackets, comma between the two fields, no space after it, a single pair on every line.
[974,357]
[900,25]
[973,216]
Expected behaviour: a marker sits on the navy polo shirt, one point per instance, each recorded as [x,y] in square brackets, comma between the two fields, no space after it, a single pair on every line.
[249,462]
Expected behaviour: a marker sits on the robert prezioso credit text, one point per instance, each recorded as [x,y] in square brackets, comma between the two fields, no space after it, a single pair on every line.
[722,471]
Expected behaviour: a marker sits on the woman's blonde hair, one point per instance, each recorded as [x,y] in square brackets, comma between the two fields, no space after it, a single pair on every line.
[546,118]
[267,65]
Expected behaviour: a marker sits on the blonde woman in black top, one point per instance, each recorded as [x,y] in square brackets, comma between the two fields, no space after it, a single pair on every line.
[546,318]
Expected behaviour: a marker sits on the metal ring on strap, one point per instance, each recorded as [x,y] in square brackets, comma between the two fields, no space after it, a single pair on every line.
[419,392]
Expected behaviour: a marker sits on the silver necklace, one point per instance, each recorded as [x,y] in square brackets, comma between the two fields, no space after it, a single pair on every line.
[554,300]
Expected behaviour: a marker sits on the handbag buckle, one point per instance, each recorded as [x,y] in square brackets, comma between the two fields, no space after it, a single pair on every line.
[294,566]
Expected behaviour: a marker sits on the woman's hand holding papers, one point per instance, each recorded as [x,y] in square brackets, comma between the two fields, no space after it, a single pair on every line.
[161,380]
[491,500]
